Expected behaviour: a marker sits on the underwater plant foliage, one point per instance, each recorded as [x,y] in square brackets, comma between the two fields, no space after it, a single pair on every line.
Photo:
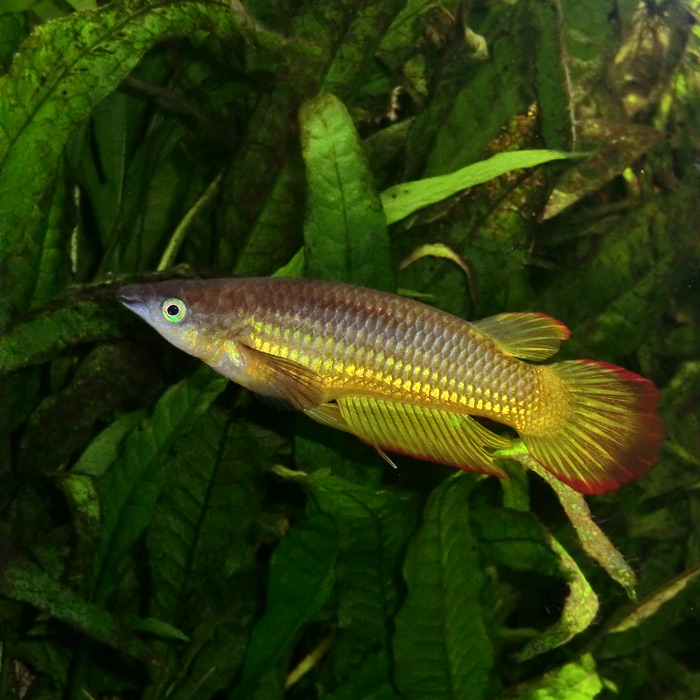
[163,533]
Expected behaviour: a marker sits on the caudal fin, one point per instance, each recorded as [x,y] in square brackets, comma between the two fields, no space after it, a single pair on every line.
[612,433]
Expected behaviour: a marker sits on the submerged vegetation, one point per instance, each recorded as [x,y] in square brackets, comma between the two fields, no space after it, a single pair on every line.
[163,534]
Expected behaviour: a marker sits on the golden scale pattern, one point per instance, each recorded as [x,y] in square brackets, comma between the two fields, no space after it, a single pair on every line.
[363,343]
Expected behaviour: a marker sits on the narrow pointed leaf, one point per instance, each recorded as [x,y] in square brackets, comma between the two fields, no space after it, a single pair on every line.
[26,582]
[653,603]
[46,334]
[401,200]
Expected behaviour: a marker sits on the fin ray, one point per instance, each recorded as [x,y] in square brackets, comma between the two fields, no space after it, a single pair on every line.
[612,434]
[530,336]
[425,433]
[328,414]
[283,379]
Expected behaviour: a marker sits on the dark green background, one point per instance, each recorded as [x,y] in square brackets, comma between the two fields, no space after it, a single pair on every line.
[165,535]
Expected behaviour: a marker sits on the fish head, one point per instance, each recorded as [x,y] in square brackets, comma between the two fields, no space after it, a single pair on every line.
[187,313]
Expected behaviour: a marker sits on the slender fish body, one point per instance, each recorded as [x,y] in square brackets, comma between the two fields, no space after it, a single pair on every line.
[406,377]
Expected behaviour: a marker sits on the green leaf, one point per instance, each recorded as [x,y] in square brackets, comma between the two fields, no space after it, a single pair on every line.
[13,29]
[442,649]
[575,681]
[64,422]
[266,191]
[26,582]
[618,146]
[158,628]
[370,681]
[200,554]
[301,583]
[130,489]
[401,200]
[437,250]
[345,234]
[103,451]
[128,183]
[83,500]
[515,540]
[554,98]
[652,603]
[192,522]
[373,527]
[470,100]
[54,265]
[318,447]
[294,268]
[631,264]
[50,332]
[63,71]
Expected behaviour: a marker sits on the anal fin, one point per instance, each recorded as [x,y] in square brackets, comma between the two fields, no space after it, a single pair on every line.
[425,433]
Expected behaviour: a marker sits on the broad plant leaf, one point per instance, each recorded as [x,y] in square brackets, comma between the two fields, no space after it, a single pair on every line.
[200,553]
[301,583]
[130,489]
[442,647]
[105,448]
[13,29]
[574,681]
[373,527]
[345,234]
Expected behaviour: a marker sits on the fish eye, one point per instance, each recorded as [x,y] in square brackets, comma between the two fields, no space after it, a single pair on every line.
[174,310]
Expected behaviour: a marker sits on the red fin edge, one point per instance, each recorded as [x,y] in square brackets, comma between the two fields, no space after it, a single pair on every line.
[613,433]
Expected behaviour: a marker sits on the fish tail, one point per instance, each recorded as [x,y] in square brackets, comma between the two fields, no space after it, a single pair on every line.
[609,431]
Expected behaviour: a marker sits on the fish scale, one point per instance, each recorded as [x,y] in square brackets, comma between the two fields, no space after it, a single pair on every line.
[450,350]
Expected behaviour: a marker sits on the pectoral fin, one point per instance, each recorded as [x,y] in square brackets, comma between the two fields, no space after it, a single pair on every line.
[281,379]
[438,436]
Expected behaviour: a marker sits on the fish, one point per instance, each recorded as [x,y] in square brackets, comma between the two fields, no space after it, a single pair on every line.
[409,378]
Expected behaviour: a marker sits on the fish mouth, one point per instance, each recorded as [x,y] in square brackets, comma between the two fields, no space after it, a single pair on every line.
[130,297]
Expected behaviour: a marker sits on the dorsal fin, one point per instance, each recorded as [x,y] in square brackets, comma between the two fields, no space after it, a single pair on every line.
[530,336]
